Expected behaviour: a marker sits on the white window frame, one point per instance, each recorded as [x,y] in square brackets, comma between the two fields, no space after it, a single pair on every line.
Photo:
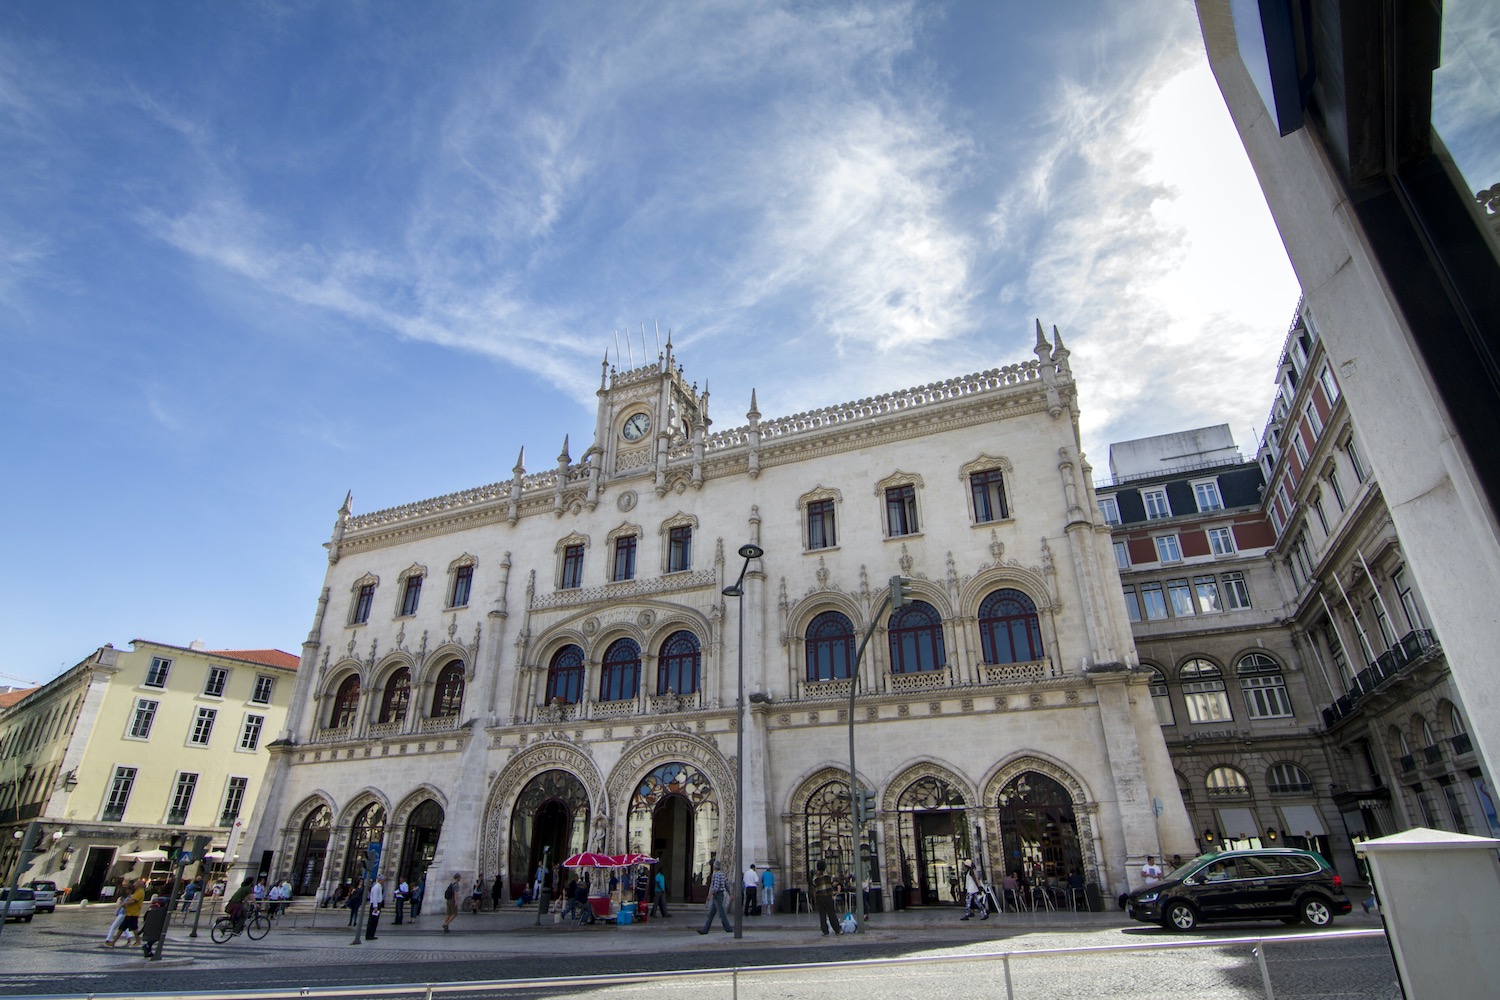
[1313,420]
[221,674]
[1132,605]
[251,730]
[1330,386]
[147,707]
[1300,448]
[1110,508]
[121,785]
[1209,489]
[1161,597]
[1206,590]
[1236,593]
[1156,500]
[158,672]
[1122,555]
[1221,541]
[269,683]
[1168,549]
[184,790]
[203,726]
[229,793]
[1180,598]
[1161,699]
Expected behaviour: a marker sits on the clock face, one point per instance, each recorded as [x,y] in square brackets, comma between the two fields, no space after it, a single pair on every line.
[636,427]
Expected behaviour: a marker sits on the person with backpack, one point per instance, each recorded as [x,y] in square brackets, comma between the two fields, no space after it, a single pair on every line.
[450,902]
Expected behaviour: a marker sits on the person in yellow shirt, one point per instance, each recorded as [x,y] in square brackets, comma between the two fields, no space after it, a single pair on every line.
[132,921]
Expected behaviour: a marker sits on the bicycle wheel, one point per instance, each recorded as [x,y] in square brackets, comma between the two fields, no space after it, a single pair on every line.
[222,930]
[257,927]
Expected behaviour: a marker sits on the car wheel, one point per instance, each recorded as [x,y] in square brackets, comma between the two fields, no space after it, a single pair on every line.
[1315,911]
[1180,916]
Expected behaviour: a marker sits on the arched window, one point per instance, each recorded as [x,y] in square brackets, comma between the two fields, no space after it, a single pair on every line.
[397,697]
[830,646]
[1160,699]
[345,704]
[1227,783]
[1456,721]
[1008,628]
[1286,777]
[916,639]
[448,692]
[565,676]
[679,664]
[1264,687]
[368,827]
[1203,692]
[1427,738]
[621,677]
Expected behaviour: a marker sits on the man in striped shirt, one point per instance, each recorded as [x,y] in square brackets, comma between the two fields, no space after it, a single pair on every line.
[718,900]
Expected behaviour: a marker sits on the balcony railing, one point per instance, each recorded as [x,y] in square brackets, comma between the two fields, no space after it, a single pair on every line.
[177,817]
[113,814]
[1408,763]
[1462,744]
[1434,753]
[228,818]
[1386,666]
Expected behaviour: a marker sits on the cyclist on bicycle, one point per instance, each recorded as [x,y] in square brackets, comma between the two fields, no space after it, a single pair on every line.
[236,905]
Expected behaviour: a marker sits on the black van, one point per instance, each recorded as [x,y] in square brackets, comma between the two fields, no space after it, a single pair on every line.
[1270,884]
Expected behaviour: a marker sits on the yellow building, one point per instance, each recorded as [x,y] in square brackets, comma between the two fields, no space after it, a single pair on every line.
[128,749]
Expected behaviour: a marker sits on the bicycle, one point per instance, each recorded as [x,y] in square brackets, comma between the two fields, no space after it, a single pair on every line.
[253,924]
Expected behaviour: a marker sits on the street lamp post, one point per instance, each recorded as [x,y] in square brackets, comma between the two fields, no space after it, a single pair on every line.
[737,591]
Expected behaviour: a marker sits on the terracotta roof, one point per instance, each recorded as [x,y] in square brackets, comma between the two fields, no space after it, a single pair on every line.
[268,657]
[9,698]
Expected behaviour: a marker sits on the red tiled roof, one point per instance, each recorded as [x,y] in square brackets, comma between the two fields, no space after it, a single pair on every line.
[268,657]
[9,698]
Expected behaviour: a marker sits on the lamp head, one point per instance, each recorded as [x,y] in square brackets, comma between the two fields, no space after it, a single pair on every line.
[733,591]
[751,551]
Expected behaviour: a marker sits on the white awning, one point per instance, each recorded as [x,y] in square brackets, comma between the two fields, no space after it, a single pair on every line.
[1238,824]
[1301,821]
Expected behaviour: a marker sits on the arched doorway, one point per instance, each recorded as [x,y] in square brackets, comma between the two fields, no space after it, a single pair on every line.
[674,817]
[550,820]
[934,836]
[1038,829]
[423,828]
[829,829]
[312,851]
[368,830]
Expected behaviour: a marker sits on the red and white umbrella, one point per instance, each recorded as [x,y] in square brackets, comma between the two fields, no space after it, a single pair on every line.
[631,860]
[590,859]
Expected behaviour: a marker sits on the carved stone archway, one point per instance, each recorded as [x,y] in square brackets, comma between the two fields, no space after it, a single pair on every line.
[1085,809]
[548,754]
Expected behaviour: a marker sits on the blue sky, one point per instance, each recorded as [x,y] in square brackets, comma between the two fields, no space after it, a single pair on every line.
[255,255]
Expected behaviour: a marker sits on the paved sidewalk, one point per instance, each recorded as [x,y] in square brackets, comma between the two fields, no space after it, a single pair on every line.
[69,941]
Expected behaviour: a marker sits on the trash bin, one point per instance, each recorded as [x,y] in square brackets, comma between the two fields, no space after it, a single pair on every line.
[1094,897]
[874,900]
[898,897]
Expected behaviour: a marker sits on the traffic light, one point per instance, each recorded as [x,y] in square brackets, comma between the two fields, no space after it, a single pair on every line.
[200,847]
[900,592]
[864,807]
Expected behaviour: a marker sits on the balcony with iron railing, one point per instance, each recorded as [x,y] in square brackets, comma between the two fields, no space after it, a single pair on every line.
[1462,744]
[177,817]
[1415,645]
[1433,754]
[113,814]
[227,818]
[1408,763]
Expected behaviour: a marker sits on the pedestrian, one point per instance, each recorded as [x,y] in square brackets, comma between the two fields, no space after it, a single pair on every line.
[497,891]
[973,893]
[718,900]
[767,891]
[132,906]
[154,926]
[659,898]
[476,895]
[340,893]
[418,890]
[355,901]
[823,889]
[188,892]
[402,891]
[273,900]
[1151,871]
[114,926]
[377,897]
[450,903]
[642,891]
[751,902]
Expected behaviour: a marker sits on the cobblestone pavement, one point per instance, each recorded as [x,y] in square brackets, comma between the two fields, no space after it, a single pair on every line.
[61,953]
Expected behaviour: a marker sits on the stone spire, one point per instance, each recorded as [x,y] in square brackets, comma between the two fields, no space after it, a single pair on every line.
[1059,352]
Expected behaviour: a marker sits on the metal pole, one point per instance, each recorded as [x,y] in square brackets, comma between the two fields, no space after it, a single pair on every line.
[1265,974]
[854,789]
[739,784]
[202,891]
[541,883]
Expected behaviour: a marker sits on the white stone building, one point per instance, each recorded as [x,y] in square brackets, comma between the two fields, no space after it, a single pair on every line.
[548,664]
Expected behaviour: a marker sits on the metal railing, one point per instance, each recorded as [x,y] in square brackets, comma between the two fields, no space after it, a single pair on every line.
[1386,666]
[552,986]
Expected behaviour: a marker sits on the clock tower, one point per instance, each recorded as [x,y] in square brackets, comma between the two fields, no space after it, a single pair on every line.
[649,418]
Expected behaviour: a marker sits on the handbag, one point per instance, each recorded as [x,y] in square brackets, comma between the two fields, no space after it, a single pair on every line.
[848,925]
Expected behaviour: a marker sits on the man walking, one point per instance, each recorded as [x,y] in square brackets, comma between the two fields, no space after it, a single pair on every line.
[823,890]
[450,903]
[659,897]
[718,901]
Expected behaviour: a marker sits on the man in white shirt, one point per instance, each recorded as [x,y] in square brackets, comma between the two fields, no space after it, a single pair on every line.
[377,896]
[1151,871]
[402,895]
[752,889]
